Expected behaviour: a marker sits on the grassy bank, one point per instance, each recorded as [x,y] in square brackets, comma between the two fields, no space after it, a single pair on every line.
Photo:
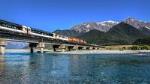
[126,47]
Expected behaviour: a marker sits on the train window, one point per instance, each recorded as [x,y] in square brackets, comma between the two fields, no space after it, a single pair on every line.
[19,28]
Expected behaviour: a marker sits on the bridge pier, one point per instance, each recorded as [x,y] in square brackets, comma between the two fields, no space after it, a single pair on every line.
[67,48]
[97,48]
[91,48]
[70,48]
[64,48]
[32,47]
[41,46]
[84,48]
[80,48]
[2,46]
[75,47]
[55,47]
[87,48]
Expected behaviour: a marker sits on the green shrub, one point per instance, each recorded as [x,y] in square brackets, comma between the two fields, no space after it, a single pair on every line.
[145,47]
[140,47]
[134,48]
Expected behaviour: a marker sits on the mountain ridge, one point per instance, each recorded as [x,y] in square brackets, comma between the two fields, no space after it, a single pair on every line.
[104,26]
[124,32]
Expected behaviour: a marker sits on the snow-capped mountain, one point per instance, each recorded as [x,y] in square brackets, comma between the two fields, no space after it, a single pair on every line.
[137,23]
[103,26]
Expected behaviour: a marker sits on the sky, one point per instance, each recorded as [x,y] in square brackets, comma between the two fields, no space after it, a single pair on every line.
[51,15]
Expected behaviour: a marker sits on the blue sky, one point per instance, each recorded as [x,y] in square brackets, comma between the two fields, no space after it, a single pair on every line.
[63,14]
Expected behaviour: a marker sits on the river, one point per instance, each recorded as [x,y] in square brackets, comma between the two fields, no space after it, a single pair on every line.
[25,68]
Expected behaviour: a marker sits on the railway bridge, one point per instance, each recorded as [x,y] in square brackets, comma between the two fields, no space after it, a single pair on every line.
[36,38]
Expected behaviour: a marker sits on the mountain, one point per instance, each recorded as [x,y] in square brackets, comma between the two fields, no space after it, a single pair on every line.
[110,32]
[101,26]
[80,29]
[137,23]
[145,30]
[121,33]
[140,25]
[104,26]
[94,37]
[125,32]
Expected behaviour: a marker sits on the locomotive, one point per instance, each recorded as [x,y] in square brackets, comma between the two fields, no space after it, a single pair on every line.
[76,40]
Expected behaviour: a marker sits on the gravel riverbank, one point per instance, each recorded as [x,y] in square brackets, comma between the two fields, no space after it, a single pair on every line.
[82,51]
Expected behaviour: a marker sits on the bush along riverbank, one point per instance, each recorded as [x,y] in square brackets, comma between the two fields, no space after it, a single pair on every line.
[140,47]
[126,47]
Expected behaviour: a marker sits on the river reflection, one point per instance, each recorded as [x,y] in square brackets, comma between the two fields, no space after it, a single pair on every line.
[74,69]
[2,64]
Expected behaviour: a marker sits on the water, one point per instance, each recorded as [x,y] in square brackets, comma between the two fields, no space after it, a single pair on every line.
[75,69]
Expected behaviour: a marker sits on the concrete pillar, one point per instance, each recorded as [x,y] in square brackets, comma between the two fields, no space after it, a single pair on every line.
[41,50]
[91,48]
[87,48]
[70,48]
[97,48]
[41,46]
[32,47]
[2,49]
[75,47]
[84,48]
[2,46]
[62,48]
[80,48]
[55,47]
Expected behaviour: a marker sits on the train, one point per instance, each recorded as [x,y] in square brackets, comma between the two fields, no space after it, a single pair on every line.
[21,29]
